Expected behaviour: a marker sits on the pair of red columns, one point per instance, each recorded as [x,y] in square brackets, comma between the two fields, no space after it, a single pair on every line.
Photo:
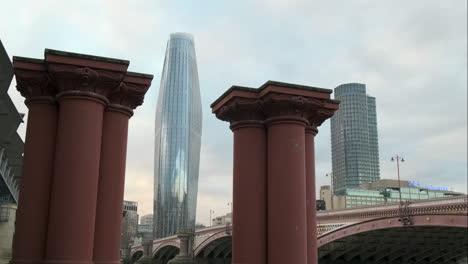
[274,173]
[70,205]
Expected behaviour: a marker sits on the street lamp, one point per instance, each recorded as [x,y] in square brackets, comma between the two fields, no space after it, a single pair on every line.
[211,213]
[230,204]
[398,159]
[331,181]
[404,213]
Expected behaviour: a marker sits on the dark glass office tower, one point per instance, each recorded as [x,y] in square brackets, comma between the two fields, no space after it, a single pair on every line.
[177,139]
[354,138]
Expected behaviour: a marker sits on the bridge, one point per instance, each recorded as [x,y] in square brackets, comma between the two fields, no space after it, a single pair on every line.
[423,231]
[11,144]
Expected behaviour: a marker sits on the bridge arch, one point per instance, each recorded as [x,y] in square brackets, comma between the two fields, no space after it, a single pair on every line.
[218,245]
[392,222]
[136,255]
[166,251]
[429,238]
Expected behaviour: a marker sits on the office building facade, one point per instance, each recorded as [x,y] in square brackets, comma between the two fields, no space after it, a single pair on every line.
[380,192]
[354,138]
[178,131]
[147,220]
[129,227]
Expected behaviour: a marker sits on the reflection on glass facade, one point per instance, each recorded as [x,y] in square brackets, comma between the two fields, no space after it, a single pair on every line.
[177,139]
[355,149]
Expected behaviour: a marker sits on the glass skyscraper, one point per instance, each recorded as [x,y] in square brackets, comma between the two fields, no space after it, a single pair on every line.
[355,148]
[178,131]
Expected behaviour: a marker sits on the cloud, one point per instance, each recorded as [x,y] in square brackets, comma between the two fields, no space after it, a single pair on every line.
[411,55]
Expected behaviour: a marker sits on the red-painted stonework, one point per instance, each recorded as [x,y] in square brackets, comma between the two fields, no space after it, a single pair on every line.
[274,177]
[33,82]
[127,97]
[76,147]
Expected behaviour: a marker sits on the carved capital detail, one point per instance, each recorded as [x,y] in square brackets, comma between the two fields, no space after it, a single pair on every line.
[85,79]
[276,105]
[241,109]
[318,115]
[34,84]
[130,95]
[276,102]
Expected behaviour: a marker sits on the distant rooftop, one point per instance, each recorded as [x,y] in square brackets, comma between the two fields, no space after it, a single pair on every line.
[182,35]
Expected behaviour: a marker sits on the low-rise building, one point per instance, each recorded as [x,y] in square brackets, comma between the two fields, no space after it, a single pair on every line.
[222,220]
[129,227]
[381,191]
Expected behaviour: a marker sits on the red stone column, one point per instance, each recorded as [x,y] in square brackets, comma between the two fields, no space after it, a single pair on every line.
[249,242]
[74,190]
[249,193]
[112,169]
[111,186]
[287,230]
[312,257]
[84,83]
[33,206]
[287,109]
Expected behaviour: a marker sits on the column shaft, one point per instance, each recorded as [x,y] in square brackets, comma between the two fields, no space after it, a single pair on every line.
[249,193]
[33,207]
[74,191]
[287,231]
[111,186]
[310,193]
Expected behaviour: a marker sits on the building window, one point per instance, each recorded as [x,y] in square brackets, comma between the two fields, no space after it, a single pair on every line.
[4,214]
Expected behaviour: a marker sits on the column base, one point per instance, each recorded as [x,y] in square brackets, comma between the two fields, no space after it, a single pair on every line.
[181,260]
[66,262]
[24,261]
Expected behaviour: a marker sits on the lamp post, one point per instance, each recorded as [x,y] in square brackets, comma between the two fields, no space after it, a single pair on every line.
[404,213]
[398,159]
[331,181]
[211,213]
[230,204]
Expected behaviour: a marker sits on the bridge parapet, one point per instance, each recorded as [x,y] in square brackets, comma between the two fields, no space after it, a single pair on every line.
[451,205]
[202,235]
[431,212]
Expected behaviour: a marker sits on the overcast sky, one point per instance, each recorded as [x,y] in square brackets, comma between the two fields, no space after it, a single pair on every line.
[412,55]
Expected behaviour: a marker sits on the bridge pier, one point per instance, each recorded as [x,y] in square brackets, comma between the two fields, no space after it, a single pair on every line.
[184,257]
[285,110]
[68,151]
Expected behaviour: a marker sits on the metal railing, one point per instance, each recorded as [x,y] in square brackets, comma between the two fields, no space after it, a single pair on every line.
[8,178]
[437,205]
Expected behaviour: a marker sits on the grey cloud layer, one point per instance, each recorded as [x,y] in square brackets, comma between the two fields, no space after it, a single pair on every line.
[412,56]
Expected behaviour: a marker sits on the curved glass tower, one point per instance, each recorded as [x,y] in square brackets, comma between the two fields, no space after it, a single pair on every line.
[177,139]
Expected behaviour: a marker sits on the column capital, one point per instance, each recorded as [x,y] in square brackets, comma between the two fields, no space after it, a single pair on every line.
[85,75]
[130,93]
[241,109]
[33,81]
[276,102]
[311,130]
[318,115]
